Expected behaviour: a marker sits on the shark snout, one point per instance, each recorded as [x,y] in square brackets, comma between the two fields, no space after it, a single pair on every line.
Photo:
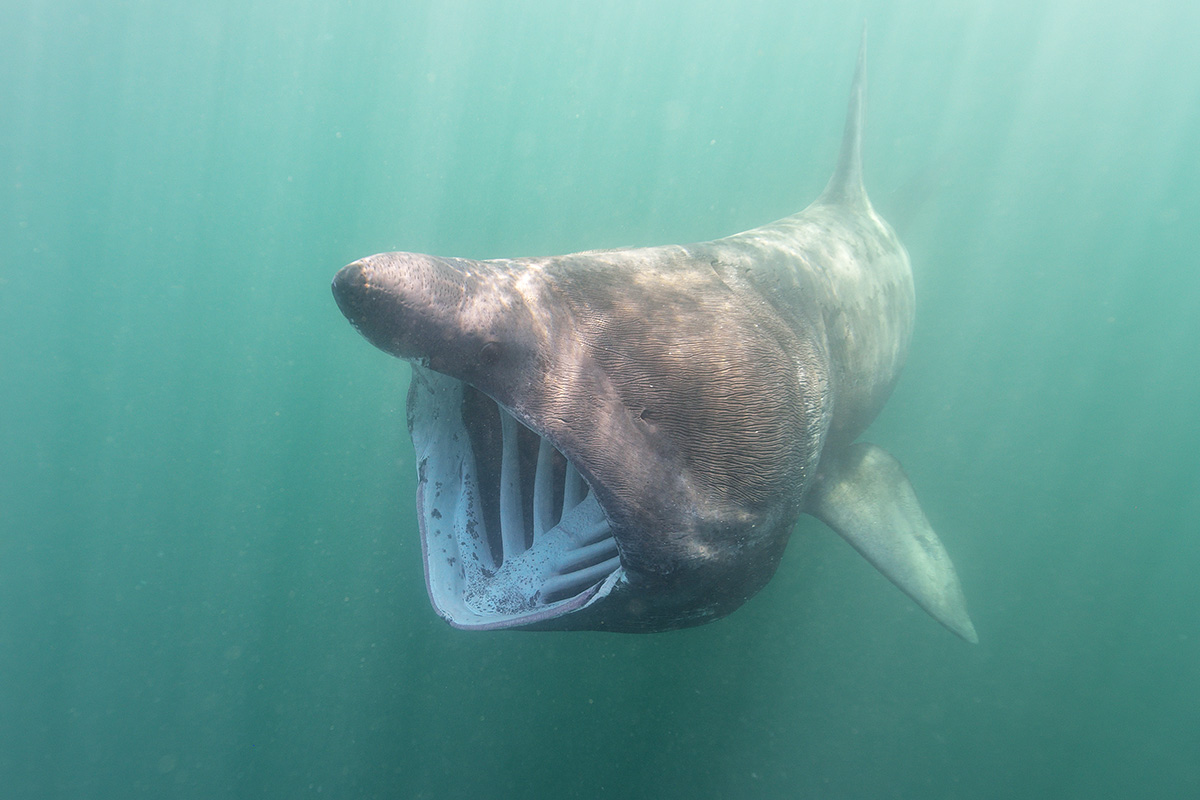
[349,285]
[441,312]
[403,303]
[371,297]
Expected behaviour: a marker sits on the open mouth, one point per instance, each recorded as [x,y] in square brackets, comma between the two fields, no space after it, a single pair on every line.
[510,531]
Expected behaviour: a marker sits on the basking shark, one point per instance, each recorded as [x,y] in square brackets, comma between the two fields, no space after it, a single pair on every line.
[624,439]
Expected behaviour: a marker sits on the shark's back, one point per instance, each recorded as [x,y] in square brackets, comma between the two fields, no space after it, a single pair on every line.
[837,270]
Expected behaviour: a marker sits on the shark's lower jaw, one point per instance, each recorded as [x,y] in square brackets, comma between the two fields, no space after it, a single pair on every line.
[510,532]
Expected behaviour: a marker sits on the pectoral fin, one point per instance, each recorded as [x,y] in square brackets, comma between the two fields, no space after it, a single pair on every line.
[863,494]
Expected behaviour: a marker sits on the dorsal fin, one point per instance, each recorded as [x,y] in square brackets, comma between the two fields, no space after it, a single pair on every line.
[846,186]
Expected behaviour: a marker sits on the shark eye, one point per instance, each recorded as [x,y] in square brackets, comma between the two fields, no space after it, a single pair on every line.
[490,354]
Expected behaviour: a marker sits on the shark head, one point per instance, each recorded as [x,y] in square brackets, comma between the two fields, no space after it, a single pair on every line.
[614,440]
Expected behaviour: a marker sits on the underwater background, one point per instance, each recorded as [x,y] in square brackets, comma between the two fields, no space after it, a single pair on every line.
[210,576]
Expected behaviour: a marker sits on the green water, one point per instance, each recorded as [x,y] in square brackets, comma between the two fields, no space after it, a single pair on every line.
[210,577]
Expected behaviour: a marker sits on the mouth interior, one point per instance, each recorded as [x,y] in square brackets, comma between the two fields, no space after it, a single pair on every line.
[511,532]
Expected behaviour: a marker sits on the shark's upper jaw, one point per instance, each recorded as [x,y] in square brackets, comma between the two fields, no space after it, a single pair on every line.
[510,532]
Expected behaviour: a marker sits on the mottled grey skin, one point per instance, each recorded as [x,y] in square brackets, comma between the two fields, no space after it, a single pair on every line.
[709,394]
